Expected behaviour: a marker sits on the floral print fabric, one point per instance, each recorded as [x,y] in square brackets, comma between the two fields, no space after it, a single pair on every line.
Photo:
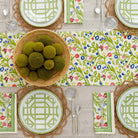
[7,112]
[73,11]
[100,58]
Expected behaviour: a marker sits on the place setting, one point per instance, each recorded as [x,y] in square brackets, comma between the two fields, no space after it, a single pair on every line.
[68,83]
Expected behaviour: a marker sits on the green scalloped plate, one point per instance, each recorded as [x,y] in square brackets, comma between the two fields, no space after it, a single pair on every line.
[40,13]
[127,109]
[127,12]
[40,111]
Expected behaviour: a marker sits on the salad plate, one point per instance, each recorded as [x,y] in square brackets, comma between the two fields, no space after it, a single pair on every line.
[40,13]
[127,12]
[127,109]
[40,111]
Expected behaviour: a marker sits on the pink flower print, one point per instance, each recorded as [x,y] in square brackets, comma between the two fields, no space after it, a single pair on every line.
[123,56]
[105,124]
[134,46]
[79,0]
[71,77]
[101,47]
[11,79]
[106,47]
[113,84]
[109,54]
[74,48]
[79,84]
[76,77]
[5,50]
[77,56]
[92,38]
[100,124]
[77,20]
[14,85]
[4,124]
[6,79]
[2,117]
[90,57]
[98,117]
[136,75]
[10,50]
[71,19]
[5,95]
[11,57]
[9,125]
[103,76]
[109,77]
[99,95]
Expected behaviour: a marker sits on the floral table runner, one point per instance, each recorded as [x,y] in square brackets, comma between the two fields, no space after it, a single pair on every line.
[100,58]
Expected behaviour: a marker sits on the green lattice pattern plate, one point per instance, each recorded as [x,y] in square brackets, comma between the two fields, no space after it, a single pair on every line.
[40,13]
[127,12]
[127,109]
[40,111]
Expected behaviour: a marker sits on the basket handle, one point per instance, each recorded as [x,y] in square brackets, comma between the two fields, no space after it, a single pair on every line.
[10,74]
[75,40]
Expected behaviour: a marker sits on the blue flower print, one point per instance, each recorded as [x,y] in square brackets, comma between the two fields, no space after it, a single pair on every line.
[82,57]
[92,62]
[1,84]
[88,63]
[90,33]
[2,69]
[99,109]
[66,83]
[129,36]
[109,62]
[89,74]
[117,46]
[10,36]
[86,77]
[85,34]
[119,76]
[99,67]
[97,53]
[78,7]
[116,56]
[104,104]
[1,40]
[106,33]
[76,63]
[132,66]
[3,109]
[0,56]
[88,45]
[96,37]
[120,44]
[123,74]
[85,47]
[130,52]
[100,83]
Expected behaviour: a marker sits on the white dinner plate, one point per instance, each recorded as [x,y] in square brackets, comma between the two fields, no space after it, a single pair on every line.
[40,111]
[40,13]
[127,12]
[127,109]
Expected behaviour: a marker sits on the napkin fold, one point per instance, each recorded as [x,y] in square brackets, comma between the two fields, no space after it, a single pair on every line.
[103,113]
[8,120]
[73,11]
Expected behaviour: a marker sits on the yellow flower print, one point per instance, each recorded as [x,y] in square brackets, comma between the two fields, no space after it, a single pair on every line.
[8,119]
[136,53]
[8,85]
[73,83]
[82,39]
[106,83]
[114,38]
[104,118]
[7,56]
[83,68]
[71,55]
[116,68]
[103,54]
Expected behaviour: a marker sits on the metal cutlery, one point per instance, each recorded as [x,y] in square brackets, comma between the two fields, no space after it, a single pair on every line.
[78,110]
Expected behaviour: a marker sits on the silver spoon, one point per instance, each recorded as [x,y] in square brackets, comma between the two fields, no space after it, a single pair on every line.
[5,12]
[78,110]
[97,9]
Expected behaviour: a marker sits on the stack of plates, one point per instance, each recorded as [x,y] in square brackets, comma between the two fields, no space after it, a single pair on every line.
[127,109]
[127,12]
[40,111]
[40,13]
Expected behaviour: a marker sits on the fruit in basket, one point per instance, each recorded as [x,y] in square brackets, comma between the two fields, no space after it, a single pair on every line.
[59,63]
[39,46]
[49,64]
[33,76]
[59,48]
[49,52]
[28,48]
[22,60]
[44,74]
[24,71]
[45,39]
[36,60]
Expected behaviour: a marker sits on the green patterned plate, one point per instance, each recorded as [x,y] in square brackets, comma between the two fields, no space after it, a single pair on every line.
[40,13]
[40,111]
[127,12]
[127,109]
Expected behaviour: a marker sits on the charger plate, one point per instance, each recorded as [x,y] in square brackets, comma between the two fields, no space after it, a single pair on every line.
[40,111]
[40,13]
[127,12]
[127,109]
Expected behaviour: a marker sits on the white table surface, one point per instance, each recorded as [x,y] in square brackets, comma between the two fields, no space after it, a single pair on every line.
[91,22]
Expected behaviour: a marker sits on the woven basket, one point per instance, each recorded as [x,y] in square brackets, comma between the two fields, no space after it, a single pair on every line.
[33,36]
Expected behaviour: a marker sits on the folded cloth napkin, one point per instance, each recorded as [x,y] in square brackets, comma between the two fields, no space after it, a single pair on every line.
[73,11]
[8,121]
[103,113]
